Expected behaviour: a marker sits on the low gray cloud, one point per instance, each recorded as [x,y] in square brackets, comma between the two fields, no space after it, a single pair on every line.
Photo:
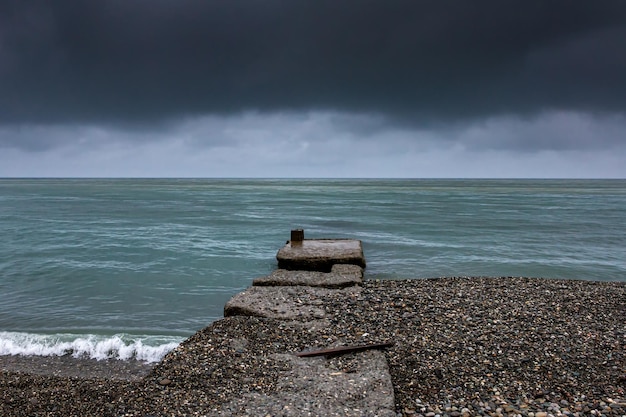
[550,131]
[326,144]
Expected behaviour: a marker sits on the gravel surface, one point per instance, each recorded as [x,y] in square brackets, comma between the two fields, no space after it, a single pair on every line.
[68,366]
[462,347]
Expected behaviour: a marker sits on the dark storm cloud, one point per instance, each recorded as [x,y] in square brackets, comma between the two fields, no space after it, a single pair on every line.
[427,62]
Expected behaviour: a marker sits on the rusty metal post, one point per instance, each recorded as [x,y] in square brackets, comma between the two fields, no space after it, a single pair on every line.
[297,236]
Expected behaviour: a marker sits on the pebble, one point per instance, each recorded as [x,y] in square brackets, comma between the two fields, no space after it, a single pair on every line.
[527,357]
[165,381]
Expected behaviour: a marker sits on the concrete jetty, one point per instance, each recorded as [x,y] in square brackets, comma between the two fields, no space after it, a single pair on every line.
[308,271]
[319,254]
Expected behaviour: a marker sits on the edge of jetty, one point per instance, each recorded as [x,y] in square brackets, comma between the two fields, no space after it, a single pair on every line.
[306,342]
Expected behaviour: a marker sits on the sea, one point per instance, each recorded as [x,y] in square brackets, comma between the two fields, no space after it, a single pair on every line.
[128,268]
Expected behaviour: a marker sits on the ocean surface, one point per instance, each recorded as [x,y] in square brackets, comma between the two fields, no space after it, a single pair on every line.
[128,268]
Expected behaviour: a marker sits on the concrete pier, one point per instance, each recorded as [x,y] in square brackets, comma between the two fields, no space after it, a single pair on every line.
[320,254]
[310,270]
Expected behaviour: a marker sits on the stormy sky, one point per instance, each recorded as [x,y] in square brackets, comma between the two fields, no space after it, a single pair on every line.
[319,88]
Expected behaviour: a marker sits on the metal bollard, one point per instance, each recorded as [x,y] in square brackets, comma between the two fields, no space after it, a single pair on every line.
[297,236]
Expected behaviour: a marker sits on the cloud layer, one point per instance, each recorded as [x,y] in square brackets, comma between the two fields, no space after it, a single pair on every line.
[323,145]
[312,82]
[427,61]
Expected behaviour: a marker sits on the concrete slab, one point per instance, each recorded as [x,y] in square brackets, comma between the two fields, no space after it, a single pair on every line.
[320,254]
[354,385]
[287,303]
[340,276]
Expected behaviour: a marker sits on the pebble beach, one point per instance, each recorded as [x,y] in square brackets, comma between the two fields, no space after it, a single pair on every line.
[462,346]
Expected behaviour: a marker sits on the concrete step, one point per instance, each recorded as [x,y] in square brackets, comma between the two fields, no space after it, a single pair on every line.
[340,276]
[320,254]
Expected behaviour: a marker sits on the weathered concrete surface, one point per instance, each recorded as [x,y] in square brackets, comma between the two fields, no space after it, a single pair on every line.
[320,254]
[287,303]
[353,385]
[341,276]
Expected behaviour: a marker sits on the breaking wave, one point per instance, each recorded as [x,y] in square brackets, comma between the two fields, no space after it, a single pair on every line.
[120,346]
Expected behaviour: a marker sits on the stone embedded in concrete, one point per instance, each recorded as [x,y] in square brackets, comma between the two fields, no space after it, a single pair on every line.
[341,276]
[320,254]
[287,303]
[322,387]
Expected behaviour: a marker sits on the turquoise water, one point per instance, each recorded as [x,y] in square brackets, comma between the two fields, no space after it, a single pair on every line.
[129,268]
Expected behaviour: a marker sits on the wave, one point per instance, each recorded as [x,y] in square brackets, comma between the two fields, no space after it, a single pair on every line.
[120,346]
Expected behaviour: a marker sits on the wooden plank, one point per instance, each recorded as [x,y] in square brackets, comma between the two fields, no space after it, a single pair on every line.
[341,350]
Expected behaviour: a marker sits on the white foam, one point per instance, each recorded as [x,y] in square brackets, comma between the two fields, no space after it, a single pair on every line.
[119,346]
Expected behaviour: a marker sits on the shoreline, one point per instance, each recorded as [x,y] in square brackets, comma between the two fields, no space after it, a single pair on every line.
[462,346]
[68,366]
